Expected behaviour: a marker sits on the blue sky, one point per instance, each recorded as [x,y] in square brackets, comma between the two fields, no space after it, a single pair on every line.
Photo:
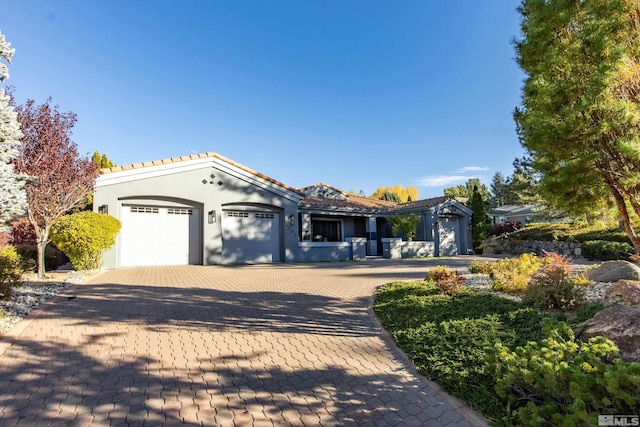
[356,94]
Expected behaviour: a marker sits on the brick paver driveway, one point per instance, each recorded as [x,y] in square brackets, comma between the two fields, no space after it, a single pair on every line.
[245,345]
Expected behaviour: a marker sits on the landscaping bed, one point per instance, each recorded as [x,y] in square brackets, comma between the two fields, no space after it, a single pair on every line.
[33,292]
[486,349]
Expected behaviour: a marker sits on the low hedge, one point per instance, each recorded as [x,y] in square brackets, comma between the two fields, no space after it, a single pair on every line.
[608,231]
[601,250]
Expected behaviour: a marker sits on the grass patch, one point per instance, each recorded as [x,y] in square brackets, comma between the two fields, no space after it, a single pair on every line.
[446,336]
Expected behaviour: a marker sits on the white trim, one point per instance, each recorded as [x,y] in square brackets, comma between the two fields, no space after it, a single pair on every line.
[307,244]
[457,204]
[190,165]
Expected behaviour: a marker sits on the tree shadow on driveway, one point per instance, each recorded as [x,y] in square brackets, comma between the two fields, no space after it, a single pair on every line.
[217,310]
[57,384]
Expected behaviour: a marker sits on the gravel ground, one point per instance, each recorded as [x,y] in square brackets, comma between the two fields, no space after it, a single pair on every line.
[594,293]
[34,292]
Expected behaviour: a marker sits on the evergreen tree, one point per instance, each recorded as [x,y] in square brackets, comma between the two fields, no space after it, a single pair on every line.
[522,187]
[101,161]
[466,190]
[479,220]
[580,115]
[498,189]
[105,162]
[390,196]
[13,200]
[96,158]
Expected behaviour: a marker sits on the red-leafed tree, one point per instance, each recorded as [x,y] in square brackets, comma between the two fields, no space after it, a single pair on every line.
[60,177]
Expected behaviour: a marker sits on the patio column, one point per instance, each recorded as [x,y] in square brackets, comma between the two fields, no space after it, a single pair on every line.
[372,236]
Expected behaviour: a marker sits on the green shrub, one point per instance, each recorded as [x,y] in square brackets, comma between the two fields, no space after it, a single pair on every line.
[554,286]
[602,250]
[11,269]
[563,382]
[477,267]
[544,232]
[602,230]
[448,281]
[512,275]
[445,337]
[53,257]
[84,236]
[405,225]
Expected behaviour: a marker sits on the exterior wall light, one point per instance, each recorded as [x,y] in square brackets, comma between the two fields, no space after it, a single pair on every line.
[103,209]
[292,220]
[212,216]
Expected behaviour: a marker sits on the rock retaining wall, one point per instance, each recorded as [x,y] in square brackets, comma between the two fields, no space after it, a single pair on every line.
[516,247]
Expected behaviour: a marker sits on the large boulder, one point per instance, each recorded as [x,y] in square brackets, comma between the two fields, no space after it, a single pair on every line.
[612,271]
[620,324]
[626,291]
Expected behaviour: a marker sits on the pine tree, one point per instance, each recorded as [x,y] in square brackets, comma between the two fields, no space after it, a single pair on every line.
[580,115]
[12,194]
[479,220]
[390,196]
[498,189]
[101,161]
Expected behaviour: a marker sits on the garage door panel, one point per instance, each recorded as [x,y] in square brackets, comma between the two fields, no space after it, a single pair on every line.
[448,237]
[159,236]
[250,237]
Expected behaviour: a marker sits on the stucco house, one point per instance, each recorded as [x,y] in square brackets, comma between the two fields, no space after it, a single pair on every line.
[513,213]
[207,209]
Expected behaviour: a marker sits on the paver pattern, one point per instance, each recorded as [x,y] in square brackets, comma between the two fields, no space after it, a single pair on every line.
[264,345]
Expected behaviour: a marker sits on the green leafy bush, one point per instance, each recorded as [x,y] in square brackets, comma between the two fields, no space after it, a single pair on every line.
[448,281]
[602,250]
[559,381]
[554,286]
[477,267]
[512,275]
[405,225]
[11,269]
[84,236]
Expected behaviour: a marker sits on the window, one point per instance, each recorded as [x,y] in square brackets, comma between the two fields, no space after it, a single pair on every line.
[173,211]
[238,214]
[326,230]
[143,209]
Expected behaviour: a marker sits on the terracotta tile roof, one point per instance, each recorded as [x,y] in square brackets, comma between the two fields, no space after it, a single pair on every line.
[423,204]
[351,203]
[322,184]
[371,202]
[195,157]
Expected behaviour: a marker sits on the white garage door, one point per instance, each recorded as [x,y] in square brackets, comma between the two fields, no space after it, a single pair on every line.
[250,237]
[448,236]
[159,236]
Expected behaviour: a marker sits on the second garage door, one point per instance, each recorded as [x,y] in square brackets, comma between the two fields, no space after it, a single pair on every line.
[250,237]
